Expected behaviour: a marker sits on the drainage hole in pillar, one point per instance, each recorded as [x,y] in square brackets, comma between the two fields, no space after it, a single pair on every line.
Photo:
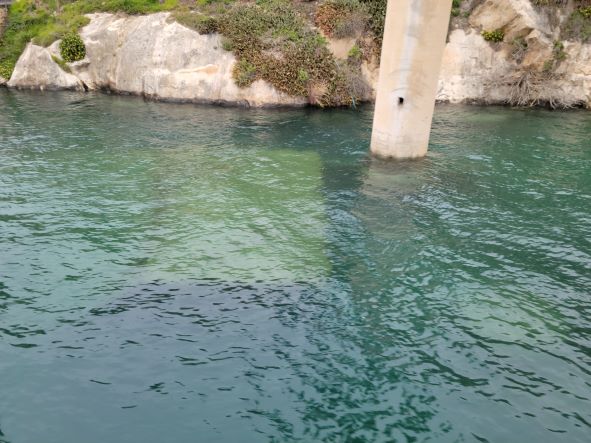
[400,101]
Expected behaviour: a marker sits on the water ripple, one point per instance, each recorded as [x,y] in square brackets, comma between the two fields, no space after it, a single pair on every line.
[172,271]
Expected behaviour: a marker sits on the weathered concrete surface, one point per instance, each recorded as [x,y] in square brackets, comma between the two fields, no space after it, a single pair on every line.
[414,40]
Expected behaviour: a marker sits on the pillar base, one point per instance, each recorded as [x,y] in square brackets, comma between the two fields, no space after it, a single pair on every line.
[414,40]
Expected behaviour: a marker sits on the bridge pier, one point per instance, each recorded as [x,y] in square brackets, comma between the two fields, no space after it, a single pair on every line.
[414,40]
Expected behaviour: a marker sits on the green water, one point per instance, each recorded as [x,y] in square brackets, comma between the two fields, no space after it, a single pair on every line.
[173,273]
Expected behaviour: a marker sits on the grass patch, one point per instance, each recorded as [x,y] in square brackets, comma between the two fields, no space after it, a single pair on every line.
[202,23]
[244,73]
[274,43]
[578,25]
[495,36]
[377,17]
[342,18]
[455,8]
[271,40]
[45,21]
[62,64]
[519,49]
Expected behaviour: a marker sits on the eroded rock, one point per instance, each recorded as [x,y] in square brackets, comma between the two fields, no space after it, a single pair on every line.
[156,57]
[151,56]
[35,69]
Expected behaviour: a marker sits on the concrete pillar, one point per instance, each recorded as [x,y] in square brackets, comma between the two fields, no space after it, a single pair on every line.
[414,40]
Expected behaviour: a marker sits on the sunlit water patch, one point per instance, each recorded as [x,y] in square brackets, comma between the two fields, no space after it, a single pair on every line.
[181,273]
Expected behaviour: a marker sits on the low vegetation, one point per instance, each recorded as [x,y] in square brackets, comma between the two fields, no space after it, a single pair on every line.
[456,8]
[495,36]
[342,18]
[202,23]
[61,63]
[273,43]
[279,41]
[377,16]
[272,39]
[45,21]
[578,25]
[519,49]
[72,48]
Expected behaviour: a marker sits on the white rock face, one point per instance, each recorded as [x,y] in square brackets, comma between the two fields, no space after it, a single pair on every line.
[474,70]
[36,70]
[151,56]
[469,66]
[156,57]
[517,18]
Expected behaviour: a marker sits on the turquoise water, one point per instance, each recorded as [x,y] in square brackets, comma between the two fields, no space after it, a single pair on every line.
[174,273]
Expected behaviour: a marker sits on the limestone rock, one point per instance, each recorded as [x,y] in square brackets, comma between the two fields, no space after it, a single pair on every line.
[147,55]
[517,18]
[470,66]
[539,50]
[35,69]
[159,58]
[474,70]
[576,72]
[156,57]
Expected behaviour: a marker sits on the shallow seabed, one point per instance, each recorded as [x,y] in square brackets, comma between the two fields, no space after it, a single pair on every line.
[174,273]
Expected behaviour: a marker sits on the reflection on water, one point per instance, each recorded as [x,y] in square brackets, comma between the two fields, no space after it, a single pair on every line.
[182,273]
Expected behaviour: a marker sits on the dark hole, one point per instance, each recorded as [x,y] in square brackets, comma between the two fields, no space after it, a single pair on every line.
[400,100]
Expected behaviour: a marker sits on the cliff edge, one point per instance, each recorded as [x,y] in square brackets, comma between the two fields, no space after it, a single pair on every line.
[518,52]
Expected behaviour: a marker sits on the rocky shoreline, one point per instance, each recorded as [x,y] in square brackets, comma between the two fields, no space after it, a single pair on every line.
[156,57]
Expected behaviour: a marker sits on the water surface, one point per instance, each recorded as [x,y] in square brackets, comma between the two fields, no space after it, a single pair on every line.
[174,273]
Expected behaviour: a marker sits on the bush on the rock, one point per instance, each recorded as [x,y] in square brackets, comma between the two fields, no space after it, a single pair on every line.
[72,48]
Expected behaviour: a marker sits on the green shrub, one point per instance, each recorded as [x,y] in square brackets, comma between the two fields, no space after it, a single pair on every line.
[6,69]
[272,42]
[72,48]
[377,16]
[355,53]
[303,76]
[43,23]
[578,25]
[558,51]
[227,45]
[548,66]
[455,7]
[203,24]
[131,7]
[244,73]
[341,18]
[585,12]
[493,36]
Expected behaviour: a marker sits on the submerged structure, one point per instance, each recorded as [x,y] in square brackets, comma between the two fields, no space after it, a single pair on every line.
[414,40]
